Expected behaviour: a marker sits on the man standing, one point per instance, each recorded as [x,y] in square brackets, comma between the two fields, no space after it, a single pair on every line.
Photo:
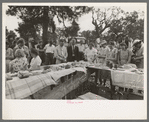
[61,52]
[49,52]
[138,59]
[81,47]
[73,51]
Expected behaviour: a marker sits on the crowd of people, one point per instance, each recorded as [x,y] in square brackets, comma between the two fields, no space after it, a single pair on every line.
[32,56]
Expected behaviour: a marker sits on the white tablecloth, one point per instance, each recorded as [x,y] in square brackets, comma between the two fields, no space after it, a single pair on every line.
[127,79]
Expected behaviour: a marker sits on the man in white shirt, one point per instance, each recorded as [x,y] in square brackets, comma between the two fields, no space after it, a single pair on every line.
[49,52]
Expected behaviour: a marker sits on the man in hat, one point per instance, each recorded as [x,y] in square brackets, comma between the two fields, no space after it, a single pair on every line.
[138,59]
[61,52]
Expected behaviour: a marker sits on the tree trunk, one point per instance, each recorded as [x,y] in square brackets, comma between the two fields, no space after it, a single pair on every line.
[45,25]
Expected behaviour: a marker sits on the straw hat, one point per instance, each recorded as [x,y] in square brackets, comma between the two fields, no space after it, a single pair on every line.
[136,41]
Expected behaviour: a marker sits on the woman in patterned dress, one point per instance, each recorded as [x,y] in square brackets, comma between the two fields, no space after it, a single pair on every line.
[19,63]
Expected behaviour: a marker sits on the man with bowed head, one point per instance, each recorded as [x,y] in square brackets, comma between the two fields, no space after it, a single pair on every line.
[61,52]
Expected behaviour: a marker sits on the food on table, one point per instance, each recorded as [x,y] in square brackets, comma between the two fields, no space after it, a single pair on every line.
[46,67]
[36,72]
[129,66]
[67,66]
[45,71]
[13,74]
[23,74]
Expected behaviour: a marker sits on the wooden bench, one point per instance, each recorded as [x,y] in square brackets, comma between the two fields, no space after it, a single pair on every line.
[90,96]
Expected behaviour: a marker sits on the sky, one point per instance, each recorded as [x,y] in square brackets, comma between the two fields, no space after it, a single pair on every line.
[85,22]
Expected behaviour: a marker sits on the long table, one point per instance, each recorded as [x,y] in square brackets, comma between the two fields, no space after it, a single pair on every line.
[123,79]
[57,84]
[21,88]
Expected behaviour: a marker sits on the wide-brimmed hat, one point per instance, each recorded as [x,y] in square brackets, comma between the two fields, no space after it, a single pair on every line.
[136,41]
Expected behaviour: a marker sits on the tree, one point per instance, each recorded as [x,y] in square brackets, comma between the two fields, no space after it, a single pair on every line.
[89,35]
[130,25]
[44,15]
[72,30]
[102,19]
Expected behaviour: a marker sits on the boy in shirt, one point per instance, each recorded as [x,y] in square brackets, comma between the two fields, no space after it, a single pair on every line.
[49,52]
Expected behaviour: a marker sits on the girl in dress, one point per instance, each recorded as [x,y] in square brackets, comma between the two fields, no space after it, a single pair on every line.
[36,61]
[124,54]
[111,53]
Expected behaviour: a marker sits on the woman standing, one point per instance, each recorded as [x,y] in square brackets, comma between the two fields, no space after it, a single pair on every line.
[111,53]
[102,52]
[40,49]
[9,56]
[90,53]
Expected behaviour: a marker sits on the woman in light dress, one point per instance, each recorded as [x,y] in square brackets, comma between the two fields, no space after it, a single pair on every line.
[111,53]
[90,53]
[102,52]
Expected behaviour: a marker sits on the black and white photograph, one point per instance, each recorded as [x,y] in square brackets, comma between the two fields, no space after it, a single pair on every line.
[74,53]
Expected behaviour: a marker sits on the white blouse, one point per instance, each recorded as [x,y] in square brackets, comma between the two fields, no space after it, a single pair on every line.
[35,62]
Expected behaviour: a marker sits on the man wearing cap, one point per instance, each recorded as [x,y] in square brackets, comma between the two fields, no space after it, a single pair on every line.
[139,53]
[61,52]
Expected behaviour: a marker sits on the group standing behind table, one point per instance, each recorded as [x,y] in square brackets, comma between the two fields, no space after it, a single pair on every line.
[106,52]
